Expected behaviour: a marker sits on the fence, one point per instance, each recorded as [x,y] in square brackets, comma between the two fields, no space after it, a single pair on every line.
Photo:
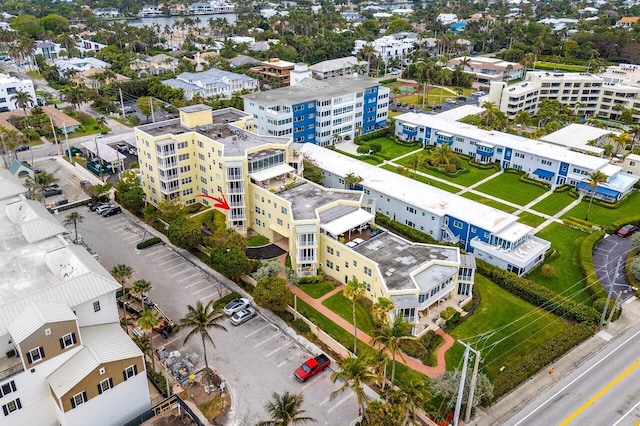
[165,406]
[332,343]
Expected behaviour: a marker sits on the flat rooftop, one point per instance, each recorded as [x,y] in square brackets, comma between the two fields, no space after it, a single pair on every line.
[310,88]
[577,136]
[397,258]
[306,198]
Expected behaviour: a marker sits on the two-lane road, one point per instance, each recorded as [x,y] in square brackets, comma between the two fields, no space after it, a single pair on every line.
[605,390]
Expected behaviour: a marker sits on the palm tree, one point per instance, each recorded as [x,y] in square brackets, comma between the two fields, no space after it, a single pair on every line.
[147,321]
[199,320]
[391,334]
[122,273]
[410,395]
[382,308]
[102,121]
[74,218]
[352,180]
[43,179]
[22,100]
[595,178]
[354,373]
[442,155]
[353,290]
[140,287]
[285,410]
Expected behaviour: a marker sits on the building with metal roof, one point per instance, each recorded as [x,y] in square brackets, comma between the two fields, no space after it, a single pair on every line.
[210,83]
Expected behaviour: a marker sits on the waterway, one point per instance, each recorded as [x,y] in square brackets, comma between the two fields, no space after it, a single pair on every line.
[163,21]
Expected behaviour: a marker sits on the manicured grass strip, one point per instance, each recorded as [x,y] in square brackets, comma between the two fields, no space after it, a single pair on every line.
[603,216]
[391,149]
[531,219]
[509,187]
[569,279]
[343,307]
[506,340]
[370,159]
[489,202]
[473,175]
[317,290]
[559,67]
[257,241]
[553,203]
[424,179]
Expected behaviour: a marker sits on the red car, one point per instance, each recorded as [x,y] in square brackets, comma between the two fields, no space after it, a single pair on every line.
[311,367]
[627,231]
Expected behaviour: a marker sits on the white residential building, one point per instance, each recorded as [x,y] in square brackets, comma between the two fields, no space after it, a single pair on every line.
[79,64]
[64,359]
[339,67]
[321,111]
[631,164]
[9,86]
[556,165]
[447,18]
[580,137]
[213,82]
[486,69]
[86,45]
[395,46]
[106,12]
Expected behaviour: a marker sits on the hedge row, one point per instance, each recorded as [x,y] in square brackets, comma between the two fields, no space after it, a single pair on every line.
[531,181]
[148,243]
[542,356]
[633,282]
[484,166]
[538,295]
[371,135]
[613,228]
[594,287]
[409,232]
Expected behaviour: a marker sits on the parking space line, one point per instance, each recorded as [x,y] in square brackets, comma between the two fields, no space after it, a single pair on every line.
[162,264]
[194,284]
[208,297]
[201,290]
[306,385]
[325,401]
[169,268]
[180,272]
[153,253]
[266,340]
[279,348]
[283,363]
[135,236]
[181,280]
[164,255]
[256,331]
[339,403]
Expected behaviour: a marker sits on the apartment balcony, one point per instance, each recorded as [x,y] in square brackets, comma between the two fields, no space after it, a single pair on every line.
[358,235]
[10,366]
[275,179]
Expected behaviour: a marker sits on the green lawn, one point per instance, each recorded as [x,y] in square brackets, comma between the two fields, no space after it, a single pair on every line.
[390,149]
[531,219]
[603,216]
[434,96]
[369,159]
[511,328]
[88,126]
[554,203]
[569,279]
[424,179]
[509,187]
[489,202]
[465,179]
[559,67]
[257,241]
[317,290]
[342,306]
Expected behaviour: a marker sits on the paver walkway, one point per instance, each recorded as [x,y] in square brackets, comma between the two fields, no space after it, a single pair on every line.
[412,363]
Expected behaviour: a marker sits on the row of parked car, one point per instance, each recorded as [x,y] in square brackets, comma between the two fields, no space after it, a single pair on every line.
[105,209]
[240,310]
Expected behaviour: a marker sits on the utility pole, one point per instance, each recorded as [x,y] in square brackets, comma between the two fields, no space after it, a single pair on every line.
[456,415]
[606,305]
[153,117]
[95,141]
[66,137]
[53,129]
[122,104]
[472,385]
[615,306]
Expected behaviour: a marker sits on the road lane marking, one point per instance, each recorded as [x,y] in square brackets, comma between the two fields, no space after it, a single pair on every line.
[339,403]
[626,414]
[578,378]
[599,395]
[266,340]
[256,331]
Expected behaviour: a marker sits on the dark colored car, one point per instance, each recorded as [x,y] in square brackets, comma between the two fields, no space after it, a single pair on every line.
[112,211]
[50,192]
[94,206]
[627,231]
[22,148]
[438,106]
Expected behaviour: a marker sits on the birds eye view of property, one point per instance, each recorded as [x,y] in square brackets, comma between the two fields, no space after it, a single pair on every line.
[344,213]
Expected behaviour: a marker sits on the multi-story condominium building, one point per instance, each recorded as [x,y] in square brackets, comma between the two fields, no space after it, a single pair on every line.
[557,165]
[258,178]
[590,95]
[395,46]
[339,67]
[49,50]
[212,83]
[321,112]
[274,72]
[9,86]
[486,69]
[490,234]
[64,359]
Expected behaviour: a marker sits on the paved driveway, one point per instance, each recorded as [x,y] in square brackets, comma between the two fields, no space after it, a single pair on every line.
[609,256]
[255,358]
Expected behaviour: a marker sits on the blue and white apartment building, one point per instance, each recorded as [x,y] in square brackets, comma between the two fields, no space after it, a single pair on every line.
[321,112]
[490,234]
[557,165]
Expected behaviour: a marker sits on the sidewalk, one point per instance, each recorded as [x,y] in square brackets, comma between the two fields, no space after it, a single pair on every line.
[412,363]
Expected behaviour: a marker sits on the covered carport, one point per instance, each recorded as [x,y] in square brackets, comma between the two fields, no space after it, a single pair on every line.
[105,153]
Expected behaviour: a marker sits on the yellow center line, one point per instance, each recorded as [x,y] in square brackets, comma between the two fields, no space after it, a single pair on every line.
[602,391]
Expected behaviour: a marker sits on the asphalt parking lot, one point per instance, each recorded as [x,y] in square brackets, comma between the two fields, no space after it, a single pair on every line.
[609,256]
[68,181]
[255,358]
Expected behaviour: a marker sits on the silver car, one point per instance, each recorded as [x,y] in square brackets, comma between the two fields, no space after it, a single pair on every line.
[236,305]
[243,316]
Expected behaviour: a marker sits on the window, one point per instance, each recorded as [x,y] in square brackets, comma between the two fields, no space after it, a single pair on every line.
[283,210]
[105,385]
[7,388]
[457,224]
[67,340]
[11,406]
[130,372]
[367,271]
[96,306]
[79,398]
[35,355]
[355,263]
[329,250]
[329,264]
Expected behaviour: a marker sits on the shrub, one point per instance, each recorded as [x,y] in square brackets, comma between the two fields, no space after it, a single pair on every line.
[424,348]
[148,243]
[300,326]
[409,232]
[548,271]
[286,316]
[448,313]
[634,268]
[594,287]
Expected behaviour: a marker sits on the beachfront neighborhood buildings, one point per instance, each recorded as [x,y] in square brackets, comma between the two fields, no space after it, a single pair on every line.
[487,69]
[339,67]
[321,112]
[544,161]
[64,359]
[212,83]
[9,86]
[604,95]
[216,158]
[274,72]
[153,65]
[391,47]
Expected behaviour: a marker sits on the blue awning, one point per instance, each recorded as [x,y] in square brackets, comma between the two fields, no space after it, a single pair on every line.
[608,192]
[543,173]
